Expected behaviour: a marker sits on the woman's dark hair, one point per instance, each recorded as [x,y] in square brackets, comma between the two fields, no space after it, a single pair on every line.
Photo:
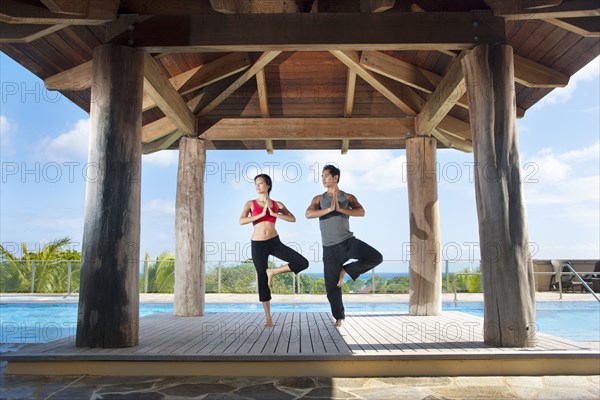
[333,170]
[267,179]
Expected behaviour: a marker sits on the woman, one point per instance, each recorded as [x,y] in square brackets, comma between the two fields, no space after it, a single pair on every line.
[263,213]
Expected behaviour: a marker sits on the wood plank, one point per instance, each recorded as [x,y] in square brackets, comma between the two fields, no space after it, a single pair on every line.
[87,8]
[449,91]
[160,90]
[533,74]
[254,6]
[304,32]
[350,91]
[305,128]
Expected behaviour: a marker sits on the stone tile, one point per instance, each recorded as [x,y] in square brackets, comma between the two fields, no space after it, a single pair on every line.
[196,389]
[127,387]
[329,393]
[344,382]
[122,380]
[16,393]
[571,393]
[475,392]
[70,393]
[132,396]
[417,381]
[223,396]
[296,383]
[479,381]
[522,392]
[564,380]
[525,381]
[266,391]
[393,393]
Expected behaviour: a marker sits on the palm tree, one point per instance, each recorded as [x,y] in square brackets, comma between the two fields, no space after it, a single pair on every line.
[17,273]
[161,275]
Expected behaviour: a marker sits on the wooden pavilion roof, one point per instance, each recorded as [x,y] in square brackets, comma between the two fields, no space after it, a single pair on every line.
[304,74]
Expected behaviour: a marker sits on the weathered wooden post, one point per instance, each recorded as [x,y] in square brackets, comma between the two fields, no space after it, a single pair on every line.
[506,267]
[189,228]
[425,268]
[108,313]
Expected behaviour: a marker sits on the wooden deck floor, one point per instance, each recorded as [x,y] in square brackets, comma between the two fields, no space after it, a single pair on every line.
[311,337]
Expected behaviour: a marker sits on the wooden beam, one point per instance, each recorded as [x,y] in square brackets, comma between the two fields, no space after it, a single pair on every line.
[15,12]
[303,32]
[396,69]
[160,144]
[88,8]
[205,75]
[13,33]
[345,145]
[449,91]
[585,26]
[263,99]
[305,128]
[376,6]
[520,10]
[453,142]
[166,97]
[532,74]
[165,127]
[262,61]
[391,90]
[254,6]
[350,91]
[76,78]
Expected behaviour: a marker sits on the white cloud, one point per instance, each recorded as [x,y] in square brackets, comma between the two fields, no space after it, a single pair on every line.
[68,146]
[374,170]
[164,158]
[6,128]
[159,208]
[565,179]
[562,95]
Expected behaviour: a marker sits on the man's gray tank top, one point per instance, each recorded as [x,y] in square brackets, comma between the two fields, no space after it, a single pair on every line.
[335,227]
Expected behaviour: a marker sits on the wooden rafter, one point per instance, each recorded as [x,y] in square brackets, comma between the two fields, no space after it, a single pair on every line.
[262,61]
[451,88]
[585,26]
[349,104]
[397,70]
[304,32]
[263,100]
[205,75]
[306,128]
[15,12]
[76,78]
[532,74]
[254,6]
[520,10]
[158,87]
[18,33]
[376,6]
[88,8]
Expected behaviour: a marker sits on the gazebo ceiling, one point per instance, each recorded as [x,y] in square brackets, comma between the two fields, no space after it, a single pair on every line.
[304,74]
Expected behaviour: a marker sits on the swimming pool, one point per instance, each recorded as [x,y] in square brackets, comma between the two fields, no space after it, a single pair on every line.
[38,323]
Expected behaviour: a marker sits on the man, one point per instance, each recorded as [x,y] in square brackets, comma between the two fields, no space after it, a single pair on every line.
[333,208]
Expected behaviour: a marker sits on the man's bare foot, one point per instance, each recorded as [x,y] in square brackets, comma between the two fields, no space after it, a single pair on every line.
[341,280]
[268,323]
[339,323]
[270,278]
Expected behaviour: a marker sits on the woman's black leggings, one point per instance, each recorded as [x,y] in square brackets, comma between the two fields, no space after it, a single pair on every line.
[261,250]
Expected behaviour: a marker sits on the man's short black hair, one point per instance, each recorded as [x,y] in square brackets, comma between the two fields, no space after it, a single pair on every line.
[333,170]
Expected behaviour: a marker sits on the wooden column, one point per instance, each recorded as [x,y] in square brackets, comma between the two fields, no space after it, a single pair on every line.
[108,313]
[425,268]
[189,228]
[507,272]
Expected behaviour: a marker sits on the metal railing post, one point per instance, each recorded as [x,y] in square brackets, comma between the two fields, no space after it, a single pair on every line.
[219,277]
[454,280]
[293,283]
[560,284]
[68,276]
[33,277]
[447,277]
[146,268]
[373,281]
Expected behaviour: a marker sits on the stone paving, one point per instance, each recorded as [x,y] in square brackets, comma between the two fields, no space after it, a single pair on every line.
[269,388]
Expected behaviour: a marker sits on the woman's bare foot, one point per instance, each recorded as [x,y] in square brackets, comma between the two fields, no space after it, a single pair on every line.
[270,276]
[339,323]
[341,280]
[268,323]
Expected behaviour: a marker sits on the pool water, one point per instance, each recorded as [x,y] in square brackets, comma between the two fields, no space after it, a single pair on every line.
[38,323]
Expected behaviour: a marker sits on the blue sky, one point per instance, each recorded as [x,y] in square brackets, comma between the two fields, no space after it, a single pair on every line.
[44,153]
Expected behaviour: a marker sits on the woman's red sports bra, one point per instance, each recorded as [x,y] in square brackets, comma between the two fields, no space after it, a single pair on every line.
[257,209]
